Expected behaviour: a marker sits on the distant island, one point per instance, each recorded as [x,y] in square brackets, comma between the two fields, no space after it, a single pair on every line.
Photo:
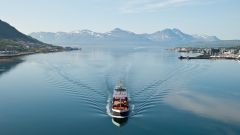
[14,43]
[211,53]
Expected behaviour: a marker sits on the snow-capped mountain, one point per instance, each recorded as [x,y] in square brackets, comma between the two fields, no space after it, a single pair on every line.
[117,35]
[120,35]
[170,35]
[86,33]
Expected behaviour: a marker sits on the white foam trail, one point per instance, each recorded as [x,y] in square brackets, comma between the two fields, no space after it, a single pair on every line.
[138,48]
[133,106]
[108,108]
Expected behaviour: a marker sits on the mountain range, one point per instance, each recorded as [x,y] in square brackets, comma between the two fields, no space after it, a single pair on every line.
[119,36]
[12,39]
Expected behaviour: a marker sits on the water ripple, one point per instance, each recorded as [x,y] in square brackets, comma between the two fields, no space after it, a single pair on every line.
[96,89]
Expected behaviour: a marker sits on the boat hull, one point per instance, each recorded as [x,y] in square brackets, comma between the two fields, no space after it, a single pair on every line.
[119,121]
[120,114]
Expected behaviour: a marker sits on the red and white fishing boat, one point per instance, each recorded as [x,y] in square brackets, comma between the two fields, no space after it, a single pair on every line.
[120,106]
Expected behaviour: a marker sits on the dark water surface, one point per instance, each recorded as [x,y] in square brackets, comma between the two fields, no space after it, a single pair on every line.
[68,93]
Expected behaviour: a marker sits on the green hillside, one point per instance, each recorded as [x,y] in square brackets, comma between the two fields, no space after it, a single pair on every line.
[13,40]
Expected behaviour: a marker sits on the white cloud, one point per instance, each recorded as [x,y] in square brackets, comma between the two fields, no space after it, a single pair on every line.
[137,6]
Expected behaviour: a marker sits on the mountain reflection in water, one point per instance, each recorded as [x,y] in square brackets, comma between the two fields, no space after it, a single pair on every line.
[8,64]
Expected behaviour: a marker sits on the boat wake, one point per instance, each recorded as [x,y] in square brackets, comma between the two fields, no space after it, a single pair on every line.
[95,88]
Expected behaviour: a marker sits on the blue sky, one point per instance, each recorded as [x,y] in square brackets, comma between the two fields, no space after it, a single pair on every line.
[211,17]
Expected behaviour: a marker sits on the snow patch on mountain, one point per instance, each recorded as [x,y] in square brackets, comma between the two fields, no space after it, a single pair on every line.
[117,35]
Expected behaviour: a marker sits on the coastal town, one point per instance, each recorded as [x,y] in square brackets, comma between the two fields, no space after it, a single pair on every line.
[10,48]
[210,53]
[4,54]
[13,43]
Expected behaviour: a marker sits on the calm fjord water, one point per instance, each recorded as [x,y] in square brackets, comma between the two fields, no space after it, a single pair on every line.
[68,93]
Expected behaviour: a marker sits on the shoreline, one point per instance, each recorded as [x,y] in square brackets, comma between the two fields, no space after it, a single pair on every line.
[208,57]
[16,55]
[2,57]
[223,53]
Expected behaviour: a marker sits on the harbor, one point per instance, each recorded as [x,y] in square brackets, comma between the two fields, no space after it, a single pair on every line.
[209,53]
